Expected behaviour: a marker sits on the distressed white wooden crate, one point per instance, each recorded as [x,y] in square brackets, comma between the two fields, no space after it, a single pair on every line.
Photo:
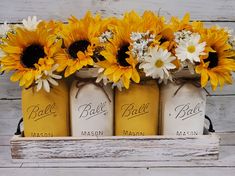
[117,148]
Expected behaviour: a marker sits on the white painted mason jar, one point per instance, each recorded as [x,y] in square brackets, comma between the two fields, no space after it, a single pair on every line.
[182,109]
[91,105]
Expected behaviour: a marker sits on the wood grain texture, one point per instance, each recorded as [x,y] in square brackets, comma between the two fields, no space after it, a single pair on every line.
[220,108]
[215,10]
[155,148]
[226,159]
[8,126]
[118,171]
[222,113]
[5,140]
[10,109]
[8,90]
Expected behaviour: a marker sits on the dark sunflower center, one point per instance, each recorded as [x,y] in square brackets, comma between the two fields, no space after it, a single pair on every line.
[31,55]
[80,45]
[213,59]
[96,54]
[98,57]
[162,40]
[121,56]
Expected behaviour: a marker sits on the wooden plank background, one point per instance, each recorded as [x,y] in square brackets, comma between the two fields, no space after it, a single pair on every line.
[220,106]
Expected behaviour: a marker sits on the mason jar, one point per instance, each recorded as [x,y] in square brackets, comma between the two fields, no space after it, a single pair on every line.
[46,114]
[91,105]
[136,109]
[182,109]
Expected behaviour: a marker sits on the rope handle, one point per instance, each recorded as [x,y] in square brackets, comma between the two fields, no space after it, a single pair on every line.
[211,129]
[18,130]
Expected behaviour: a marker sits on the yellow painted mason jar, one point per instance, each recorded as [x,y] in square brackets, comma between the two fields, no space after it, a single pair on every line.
[136,109]
[46,114]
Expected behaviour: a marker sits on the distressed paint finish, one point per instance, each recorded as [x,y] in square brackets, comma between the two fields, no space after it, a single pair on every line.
[152,148]
[220,107]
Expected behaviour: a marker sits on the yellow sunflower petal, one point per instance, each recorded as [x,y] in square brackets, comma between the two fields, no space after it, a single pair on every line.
[126,82]
[16,76]
[213,79]
[135,76]
[204,78]
[117,74]
[110,70]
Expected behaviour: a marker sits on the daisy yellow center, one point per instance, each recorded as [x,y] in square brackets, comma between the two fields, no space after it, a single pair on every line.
[77,46]
[191,49]
[213,59]
[159,63]
[31,55]
[44,76]
[122,55]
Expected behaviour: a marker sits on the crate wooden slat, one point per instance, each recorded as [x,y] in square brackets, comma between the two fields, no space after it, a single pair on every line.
[105,149]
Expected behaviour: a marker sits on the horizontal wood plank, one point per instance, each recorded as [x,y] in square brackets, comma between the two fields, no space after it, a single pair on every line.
[118,171]
[226,159]
[8,90]
[137,148]
[227,139]
[221,111]
[5,140]
[14,11]
[8,126]
[10,109]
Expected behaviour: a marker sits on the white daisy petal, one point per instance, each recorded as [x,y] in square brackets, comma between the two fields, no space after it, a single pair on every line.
[56,76]
[46,85]
[53,82]
[30,23]
[39,85]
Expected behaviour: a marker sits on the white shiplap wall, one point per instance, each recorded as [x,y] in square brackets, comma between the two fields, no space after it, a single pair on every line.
[220,106]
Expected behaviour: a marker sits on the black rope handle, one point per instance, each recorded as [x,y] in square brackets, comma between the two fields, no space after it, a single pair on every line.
[211,129]
[18,130]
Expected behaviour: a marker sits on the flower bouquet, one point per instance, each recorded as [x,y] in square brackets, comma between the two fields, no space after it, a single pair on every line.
[133,54]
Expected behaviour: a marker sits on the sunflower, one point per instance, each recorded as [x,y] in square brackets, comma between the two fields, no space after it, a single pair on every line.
[217,64]
[28,53]
[120,64]
[81,40]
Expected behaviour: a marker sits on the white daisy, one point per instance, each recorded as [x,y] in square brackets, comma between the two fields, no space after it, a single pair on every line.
[190,49]
[4,29]
[30,23]
[157,63]
[47,78]
[102,77]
